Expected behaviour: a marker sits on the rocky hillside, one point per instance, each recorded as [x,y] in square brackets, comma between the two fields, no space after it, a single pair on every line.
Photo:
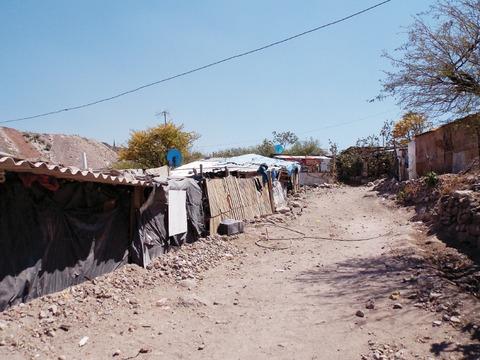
[56,148]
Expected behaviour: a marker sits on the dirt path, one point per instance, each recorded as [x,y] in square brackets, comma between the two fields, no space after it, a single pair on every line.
[296,303]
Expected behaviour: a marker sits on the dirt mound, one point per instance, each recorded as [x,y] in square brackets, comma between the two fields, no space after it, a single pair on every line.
[56,148]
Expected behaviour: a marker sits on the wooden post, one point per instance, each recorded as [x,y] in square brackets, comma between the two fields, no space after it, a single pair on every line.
[136,203]
[270,191]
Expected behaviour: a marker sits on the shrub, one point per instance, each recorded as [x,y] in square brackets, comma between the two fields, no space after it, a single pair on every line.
[431,179]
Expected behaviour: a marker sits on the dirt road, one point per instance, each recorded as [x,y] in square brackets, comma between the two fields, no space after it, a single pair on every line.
[304,300]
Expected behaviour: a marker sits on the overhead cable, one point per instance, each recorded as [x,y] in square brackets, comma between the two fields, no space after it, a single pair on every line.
[218,62]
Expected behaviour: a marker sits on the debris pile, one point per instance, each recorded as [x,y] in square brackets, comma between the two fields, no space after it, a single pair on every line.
[385,352]
[192,259]
[459,269]
[50,315]
[452,209]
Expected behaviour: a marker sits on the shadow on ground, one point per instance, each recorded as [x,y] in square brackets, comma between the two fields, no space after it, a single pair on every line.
[379,277]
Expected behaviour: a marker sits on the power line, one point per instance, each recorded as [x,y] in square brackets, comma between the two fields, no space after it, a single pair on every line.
[249,52]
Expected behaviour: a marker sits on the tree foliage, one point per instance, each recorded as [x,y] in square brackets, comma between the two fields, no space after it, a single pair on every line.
[369,141]
[284,138]
[310,146]
[370,159]
[437,71]
[408,126]
[357,164]
[265,148]
[386,133]
[148,148]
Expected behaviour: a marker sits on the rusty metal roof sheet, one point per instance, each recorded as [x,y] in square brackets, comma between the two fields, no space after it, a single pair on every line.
[9,163]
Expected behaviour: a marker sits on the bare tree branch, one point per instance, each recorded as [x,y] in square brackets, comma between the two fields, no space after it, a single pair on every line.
[437,71]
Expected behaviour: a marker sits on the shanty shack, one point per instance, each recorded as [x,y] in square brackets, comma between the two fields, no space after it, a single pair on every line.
[242,187]
[60,226]
[450,148]
[315,170]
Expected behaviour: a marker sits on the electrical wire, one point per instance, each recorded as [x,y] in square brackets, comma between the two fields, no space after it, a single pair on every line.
[188,72]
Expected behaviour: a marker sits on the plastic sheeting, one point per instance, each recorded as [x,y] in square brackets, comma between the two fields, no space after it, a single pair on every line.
[279,196]
[152,237]
[51,240]
[257,160]
[243,163]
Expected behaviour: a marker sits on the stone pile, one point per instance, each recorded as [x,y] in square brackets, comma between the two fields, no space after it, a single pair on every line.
[95,300]
[459,214]
[385,352]
[192,259]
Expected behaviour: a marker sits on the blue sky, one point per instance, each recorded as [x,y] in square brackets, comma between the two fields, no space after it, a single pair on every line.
[56,54]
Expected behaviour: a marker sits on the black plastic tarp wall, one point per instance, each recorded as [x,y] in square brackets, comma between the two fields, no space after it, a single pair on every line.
[152,237]
[57,234]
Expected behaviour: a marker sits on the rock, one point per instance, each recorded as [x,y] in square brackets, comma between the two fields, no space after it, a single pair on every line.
[441,308]
[437,323]
[64,327]
[455,320]
[62,357]
[83,341]
[446,317]
[370,304]
[42,315]
[188,283]
[201,347]
[162,302]
[50,333]
[144,350]
[397,306]
[53,309]
[117,353]
[395,295]
[191,301]
[3,343]
[360,313]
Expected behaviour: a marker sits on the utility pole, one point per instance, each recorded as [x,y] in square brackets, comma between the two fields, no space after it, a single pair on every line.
[163,113]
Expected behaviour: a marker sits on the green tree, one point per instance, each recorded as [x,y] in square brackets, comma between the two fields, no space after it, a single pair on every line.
[369,141]
[310,146]
[231,152]
[148,148]
[284,138]
[266,148]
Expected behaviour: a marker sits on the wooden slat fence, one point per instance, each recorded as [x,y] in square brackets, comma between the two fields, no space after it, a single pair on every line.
[236,198]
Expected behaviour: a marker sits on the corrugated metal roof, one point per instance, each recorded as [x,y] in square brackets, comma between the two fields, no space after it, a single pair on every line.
[8,163]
